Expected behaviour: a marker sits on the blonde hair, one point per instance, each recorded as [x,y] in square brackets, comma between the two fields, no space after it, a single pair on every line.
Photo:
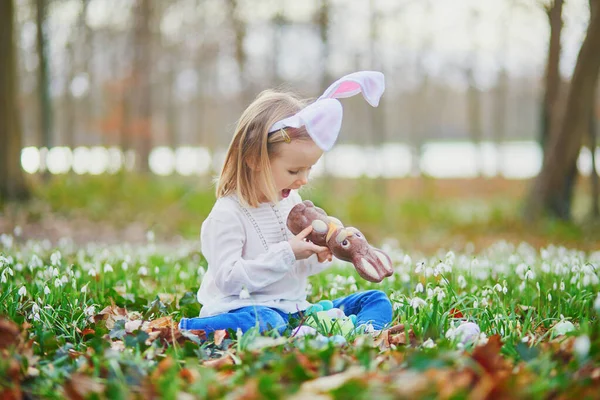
[247,167]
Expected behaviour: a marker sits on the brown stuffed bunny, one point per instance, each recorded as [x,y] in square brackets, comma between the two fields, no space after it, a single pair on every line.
[347,244]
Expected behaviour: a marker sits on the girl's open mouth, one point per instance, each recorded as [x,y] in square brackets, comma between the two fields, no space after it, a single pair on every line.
[285,193]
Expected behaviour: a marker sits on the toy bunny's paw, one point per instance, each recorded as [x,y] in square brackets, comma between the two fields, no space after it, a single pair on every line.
[374,266]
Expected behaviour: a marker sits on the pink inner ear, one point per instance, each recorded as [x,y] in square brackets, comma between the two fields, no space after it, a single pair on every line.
[346,87]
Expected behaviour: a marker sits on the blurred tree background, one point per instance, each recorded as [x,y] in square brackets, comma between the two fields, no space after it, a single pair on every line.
[118,112]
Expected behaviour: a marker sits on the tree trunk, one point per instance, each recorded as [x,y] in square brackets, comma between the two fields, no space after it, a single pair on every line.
[12,181]
[551,191]
[43,81]
[594,174]
[474,118]
[552,80]
[142,107]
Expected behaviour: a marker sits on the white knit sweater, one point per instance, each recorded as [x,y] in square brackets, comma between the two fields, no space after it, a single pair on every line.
[247,248]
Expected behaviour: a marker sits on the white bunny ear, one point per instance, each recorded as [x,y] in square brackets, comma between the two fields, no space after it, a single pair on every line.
[370,83]
[322,120]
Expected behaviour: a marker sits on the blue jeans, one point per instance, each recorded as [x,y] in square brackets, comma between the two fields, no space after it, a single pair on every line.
[371,306]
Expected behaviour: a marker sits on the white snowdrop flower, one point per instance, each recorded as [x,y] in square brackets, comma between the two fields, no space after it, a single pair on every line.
[92,272]
[407,260]
[47,290]
[333,291]
[504,289]
[522,286]
[183,275]
[3,278]
[419,288]
[575,269]
[429,293]
[581,346]
[55,258]
[428,344]
[55,272]
[521,269]
[525,339]
[18,231]
[546,267]
[441,295]
[537,285]
[35,308]
[554,286]
[108,268]
[529,275]
[22,291]
[417,302]
[562,286]
[462,282]
[587,269]
[354,288]
[597,303]
[586,280]
[35,262]
[475,304]
[485,292]
[143,271]
[498,287]
[351,280]
[19,267]
[549,297]
[156,270]
[124,266]
[7,240]
[451,333]
[428,272]
[244,294]
[90,311]
[420,266]
[84,288]
[58,283]
[3,261]
[150,236]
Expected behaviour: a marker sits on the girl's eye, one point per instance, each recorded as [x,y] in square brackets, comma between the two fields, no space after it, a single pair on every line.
[294,172]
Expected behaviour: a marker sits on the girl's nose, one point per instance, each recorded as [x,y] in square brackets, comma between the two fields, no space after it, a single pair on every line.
[303,178]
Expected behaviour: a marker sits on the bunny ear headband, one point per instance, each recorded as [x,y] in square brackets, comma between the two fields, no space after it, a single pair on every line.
[323,118]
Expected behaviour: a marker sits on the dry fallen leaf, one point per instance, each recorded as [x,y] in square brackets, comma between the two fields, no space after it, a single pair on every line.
[80,387]
[9,333]
[219,336]
[219,362]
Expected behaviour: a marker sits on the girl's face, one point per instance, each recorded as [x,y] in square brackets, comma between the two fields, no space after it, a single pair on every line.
[292,164]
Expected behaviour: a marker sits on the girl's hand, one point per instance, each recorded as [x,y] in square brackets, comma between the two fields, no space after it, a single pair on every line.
[302,248]
[324,255]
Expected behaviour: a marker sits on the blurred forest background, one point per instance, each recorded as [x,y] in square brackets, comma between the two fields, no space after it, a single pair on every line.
[488,126]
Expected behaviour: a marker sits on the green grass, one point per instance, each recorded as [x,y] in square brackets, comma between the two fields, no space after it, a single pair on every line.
[459,250]
[55,295]
[421,214]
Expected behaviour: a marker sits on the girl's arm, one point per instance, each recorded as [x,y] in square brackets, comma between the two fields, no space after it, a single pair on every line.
[314,267]
[223,239]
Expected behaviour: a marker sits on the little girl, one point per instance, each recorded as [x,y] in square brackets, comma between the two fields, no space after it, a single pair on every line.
[257,270]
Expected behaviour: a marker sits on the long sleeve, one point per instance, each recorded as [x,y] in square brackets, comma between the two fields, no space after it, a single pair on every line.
[313,266]
[223,238]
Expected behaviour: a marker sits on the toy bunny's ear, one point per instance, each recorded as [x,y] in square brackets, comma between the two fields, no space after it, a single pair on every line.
[370,83]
